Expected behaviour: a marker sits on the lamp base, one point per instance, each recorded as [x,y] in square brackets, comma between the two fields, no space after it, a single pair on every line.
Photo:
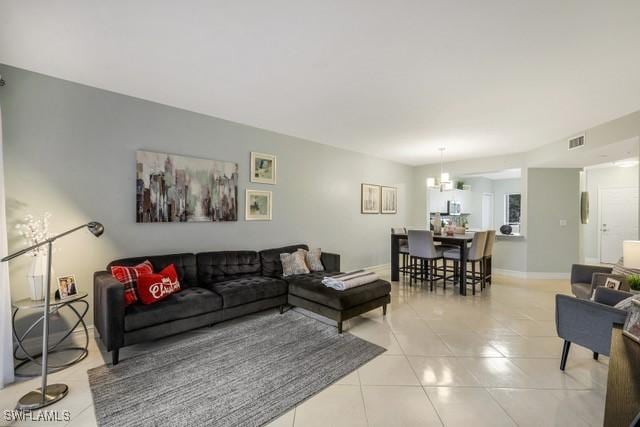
[35,400]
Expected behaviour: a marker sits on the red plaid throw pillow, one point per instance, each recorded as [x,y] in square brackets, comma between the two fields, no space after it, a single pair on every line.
[128,276]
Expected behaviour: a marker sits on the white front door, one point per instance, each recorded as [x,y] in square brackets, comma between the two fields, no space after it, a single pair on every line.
[487,211]
[618,221]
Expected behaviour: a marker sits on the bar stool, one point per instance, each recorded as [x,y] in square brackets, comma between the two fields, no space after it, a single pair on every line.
[475,254]
[423,257]
[404,248]
[488,253]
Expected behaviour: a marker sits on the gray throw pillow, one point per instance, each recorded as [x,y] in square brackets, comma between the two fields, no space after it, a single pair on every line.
[626,303]
[313,259]
[293,263]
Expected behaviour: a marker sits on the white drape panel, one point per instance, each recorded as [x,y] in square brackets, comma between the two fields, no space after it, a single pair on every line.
[6,338]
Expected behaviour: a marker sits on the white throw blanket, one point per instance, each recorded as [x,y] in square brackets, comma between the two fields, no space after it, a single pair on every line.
[349,280]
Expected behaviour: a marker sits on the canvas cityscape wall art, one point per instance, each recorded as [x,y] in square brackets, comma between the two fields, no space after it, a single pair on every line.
[172,188]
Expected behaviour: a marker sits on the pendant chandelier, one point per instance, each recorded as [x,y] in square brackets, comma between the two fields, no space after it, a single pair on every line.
[444,183]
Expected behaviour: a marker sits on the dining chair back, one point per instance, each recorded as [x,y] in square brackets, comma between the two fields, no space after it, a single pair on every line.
[421,244]
[476,251]
[488,246]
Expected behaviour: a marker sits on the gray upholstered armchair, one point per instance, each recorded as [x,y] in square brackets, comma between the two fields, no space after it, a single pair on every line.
[586,278]
[589,323]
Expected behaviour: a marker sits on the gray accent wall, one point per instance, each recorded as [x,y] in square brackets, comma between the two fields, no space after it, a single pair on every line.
[553,195]
[70,150]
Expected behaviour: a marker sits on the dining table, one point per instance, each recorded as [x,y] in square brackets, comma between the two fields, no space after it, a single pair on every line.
[459,240]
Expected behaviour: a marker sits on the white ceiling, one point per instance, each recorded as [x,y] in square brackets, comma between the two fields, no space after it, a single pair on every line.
[395,79]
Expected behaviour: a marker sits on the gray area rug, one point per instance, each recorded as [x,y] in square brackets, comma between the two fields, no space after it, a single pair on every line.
[240,373]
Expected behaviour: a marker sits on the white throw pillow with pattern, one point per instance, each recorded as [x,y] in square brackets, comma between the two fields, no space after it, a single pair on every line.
[313,259]
[294,263]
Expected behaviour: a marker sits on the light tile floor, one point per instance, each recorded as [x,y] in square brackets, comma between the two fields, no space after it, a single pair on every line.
[490,359]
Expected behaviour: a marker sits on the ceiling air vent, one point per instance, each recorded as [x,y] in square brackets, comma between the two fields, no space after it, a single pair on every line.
[576,142]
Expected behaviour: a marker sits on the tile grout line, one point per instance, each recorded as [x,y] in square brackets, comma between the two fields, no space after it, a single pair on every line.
[416,375]
[500,406]
[364,404]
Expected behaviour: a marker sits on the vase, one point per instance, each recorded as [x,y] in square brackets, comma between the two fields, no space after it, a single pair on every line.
[37,277]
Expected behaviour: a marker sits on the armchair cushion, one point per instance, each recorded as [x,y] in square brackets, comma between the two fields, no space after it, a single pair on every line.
[581,290]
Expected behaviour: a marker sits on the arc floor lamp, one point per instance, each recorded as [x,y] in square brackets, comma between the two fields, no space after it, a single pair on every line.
[48,393]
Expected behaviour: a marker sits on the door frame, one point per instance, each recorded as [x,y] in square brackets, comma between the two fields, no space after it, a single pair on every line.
[493,208]
[599,223]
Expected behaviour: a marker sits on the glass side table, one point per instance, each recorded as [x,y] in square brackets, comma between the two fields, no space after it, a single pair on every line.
[77,305]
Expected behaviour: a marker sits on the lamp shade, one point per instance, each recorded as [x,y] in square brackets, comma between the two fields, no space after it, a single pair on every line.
[631,253]
[444,177]
[431,182]
[96,228]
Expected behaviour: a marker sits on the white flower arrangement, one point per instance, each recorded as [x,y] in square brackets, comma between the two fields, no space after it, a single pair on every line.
[34,231]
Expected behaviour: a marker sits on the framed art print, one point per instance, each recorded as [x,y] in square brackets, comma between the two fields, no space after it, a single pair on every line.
[631,326]
[389,200]
[258,205]
[173,188]
[370,199]
[263,168]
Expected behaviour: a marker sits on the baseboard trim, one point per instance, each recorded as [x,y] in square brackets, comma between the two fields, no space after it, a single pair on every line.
[378,267]
[531,274]
[509,273]
[547,276]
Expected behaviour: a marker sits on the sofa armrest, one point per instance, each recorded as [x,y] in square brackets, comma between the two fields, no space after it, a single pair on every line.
[581,273]
[108,309]
[587,323]
[610,297]
[331,262]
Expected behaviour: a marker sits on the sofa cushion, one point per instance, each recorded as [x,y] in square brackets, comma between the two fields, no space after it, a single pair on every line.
[186,303]
[249,289]
[214,267]
[185,265]
[270,259]
[310,287]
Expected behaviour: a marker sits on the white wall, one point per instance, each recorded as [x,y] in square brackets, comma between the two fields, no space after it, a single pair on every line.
[596,179]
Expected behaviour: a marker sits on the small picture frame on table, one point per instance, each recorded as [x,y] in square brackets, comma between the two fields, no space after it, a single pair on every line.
[612,283]
[631,326]
[67,286]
